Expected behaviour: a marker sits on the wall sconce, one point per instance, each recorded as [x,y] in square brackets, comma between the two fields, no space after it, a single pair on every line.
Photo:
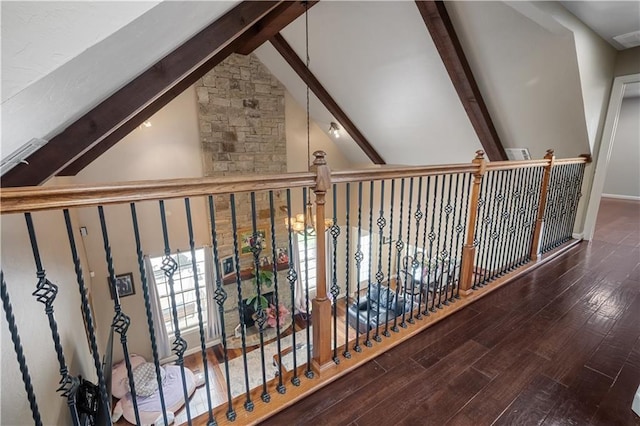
[334,130]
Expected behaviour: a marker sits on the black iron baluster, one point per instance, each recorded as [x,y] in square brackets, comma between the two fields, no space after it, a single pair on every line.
[308,372]
[418,217]
[121,321]
[403,324]
[424,287]
[46,293]
[462,224]
[496,222]
[479,230]
[86,311]
[399,247]
[531,212]
[576,198]
[248,404]
[446,255]
[346,352]
[255,246]
[169,267]
[274,262]
[565,205]
[147,304]
[203,347]
[367,341]
[292,277]
[432,238]
[358,256]
[487,219]
[388,290]
[17,346]
[549,214]
[335,289]
[453,256]
[220,296]
[502,224]
[381,222]
[516,204]
[439,255]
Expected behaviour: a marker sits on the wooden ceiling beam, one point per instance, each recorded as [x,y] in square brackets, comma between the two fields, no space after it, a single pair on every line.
[144,95]
[273,23]
[310,80]
[444,36]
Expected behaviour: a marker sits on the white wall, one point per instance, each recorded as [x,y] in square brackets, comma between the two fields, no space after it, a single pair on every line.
[623,171]
[528,77]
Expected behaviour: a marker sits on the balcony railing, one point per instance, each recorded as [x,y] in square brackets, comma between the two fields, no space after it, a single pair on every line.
[394,250]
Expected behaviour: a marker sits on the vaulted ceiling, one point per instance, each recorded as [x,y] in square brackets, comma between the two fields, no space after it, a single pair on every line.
[376,59]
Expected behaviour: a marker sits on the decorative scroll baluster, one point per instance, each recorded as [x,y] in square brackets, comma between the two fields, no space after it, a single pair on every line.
[203,347]
[391,202]
[399,247]
[425,286]
[292,277]
[169,267]
[147,305]
[516,204]
[358,256]
[440,255]
[335,289]
[403,324]
[463,225]
[346,352]
[495,233]
[248,404]
[432,238]
[381,222]
[485,235]
[453,255]
[255,246]
[446,255]
[308,372]
[280,388]
[531,211]
[17,346]
[121,321]
[87,314]
[220,296]
[417,216]
[503,228]
[367,341]
[46,293]
[579,170]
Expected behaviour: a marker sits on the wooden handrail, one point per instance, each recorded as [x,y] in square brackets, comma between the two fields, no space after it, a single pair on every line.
[20,200]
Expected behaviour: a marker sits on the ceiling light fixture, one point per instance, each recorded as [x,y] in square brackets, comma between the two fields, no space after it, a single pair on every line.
[334,130]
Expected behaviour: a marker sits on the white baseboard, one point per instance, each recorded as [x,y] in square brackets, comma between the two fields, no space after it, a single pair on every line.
[621,197]
[578,236]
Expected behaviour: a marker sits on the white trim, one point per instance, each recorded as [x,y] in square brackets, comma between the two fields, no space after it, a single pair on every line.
[622,197]
[578,235]
[604,151]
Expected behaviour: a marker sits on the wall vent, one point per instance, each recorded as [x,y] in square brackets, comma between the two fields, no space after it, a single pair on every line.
[518,154]
[19,155]
[629,40]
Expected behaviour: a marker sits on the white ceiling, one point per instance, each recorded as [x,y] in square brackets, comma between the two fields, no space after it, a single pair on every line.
[607,18]
[378,62]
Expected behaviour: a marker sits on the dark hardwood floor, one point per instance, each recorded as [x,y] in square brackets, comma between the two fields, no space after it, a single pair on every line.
[558,346]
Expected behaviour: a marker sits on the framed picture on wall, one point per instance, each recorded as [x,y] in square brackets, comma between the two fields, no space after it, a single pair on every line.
[227,266]
[124,285]
[247,240]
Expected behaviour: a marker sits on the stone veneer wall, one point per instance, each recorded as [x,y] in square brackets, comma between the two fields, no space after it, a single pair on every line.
[242,132]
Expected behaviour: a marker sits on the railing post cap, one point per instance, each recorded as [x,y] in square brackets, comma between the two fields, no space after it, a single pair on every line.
[549,153]
[479,154]
[321,159]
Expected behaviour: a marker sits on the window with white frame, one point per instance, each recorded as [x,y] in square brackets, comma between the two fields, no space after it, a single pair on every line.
[308,267]
[365,265]
[184,288]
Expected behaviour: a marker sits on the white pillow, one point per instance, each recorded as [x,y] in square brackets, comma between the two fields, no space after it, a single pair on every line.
[144,377]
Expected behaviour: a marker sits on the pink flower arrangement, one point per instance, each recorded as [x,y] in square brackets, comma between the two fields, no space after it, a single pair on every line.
[273,314]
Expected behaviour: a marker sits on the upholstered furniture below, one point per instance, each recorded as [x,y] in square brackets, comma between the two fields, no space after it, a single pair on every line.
[378,301]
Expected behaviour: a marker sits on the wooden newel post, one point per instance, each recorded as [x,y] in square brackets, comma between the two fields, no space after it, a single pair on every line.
[544,190]
[469,249]
[321,305]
